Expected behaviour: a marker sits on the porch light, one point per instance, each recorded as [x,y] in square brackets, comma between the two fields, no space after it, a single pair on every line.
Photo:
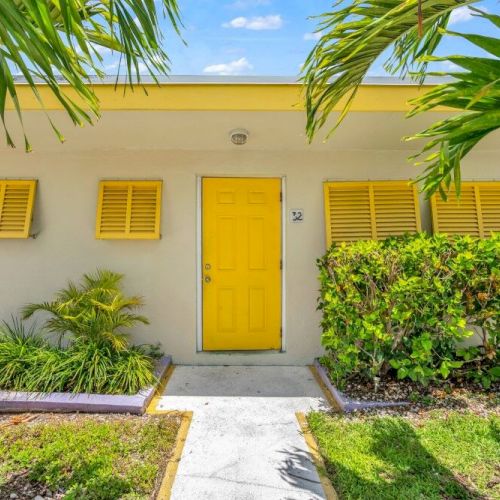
[239,136]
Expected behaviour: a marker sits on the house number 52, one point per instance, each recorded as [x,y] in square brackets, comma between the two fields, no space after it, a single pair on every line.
[296,215]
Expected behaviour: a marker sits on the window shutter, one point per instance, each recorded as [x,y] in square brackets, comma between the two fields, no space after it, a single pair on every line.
[476,212]
[396,208]
[17,198]
[370,210]
[129,210]
[489,197]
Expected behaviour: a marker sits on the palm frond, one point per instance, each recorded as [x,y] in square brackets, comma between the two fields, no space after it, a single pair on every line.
[52,41]
[103,279]
[476,92]
[94,310]
[29,309]
[353,38]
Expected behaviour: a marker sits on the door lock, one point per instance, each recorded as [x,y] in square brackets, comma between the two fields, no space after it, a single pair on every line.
[208,267]
[208,279]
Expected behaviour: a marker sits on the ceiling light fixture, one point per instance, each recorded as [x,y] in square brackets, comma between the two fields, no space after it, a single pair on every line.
[239,136]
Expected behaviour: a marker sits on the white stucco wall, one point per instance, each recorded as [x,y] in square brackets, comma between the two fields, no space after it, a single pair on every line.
[164,271]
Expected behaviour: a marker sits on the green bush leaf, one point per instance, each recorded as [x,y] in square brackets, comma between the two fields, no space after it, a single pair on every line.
[403,303]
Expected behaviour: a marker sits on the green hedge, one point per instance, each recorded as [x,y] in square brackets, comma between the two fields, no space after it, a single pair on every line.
[401,307]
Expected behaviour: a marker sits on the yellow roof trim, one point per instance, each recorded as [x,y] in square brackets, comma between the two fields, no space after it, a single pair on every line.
[223,97]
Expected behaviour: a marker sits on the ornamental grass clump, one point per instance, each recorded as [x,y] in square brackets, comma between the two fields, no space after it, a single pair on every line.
[91,354]
[404,307]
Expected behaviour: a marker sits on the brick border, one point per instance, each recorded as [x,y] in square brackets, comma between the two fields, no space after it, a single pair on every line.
[346,404]
[89,403]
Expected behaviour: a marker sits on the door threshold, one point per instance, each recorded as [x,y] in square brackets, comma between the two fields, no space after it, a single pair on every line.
[247,351]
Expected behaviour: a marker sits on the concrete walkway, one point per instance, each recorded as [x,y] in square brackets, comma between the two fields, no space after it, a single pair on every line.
[244,441]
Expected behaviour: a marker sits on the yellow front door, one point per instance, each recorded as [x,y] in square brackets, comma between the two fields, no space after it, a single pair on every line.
[241,264]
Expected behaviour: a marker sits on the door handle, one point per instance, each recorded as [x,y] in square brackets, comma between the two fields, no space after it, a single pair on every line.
[208,279]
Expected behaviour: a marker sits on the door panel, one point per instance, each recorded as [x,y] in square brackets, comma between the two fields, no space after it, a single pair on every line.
[241,264]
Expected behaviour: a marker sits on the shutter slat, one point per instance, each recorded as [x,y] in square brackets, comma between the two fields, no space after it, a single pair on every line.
[129,210]
[350,216]
[17,199]
[489,196]
[476,212]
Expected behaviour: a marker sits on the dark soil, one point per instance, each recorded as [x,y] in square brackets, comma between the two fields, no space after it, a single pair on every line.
[452,395]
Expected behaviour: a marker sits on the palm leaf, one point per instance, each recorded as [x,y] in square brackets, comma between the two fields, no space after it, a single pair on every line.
[474,91]
[355,35]
[54,41]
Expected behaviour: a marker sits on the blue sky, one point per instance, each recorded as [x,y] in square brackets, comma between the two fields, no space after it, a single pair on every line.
[267,37]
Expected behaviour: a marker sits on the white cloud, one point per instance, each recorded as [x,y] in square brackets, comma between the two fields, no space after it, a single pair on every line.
[449,66]
[112,66]
[94,47]
[102,50]
[143,69]
[313,36]
[232,68]
[461,15]
[274,22]
[247,4]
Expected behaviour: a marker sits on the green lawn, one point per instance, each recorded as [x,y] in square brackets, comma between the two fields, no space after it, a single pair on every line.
[454,456]
[86,457]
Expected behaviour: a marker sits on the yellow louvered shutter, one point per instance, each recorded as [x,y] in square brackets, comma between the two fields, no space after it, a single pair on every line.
[370,210]
[489,195]
[17,198]
[396,208]
[476,212]
[129,210]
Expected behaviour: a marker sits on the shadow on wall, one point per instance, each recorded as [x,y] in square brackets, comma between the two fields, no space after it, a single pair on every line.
[407,469]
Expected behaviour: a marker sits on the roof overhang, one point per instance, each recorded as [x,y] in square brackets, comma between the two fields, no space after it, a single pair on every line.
[245,94]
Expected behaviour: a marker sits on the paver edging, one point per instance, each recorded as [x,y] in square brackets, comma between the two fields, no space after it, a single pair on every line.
[167,482]
[345,404]
[11,401]
[329,490]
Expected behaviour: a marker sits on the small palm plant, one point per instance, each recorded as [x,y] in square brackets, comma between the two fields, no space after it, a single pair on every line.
[93,312]
[97,356]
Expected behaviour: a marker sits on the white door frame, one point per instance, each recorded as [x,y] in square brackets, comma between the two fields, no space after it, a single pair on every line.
[199,246]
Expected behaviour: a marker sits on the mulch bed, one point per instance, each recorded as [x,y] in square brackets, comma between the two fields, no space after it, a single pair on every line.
[451,395]
[38,418]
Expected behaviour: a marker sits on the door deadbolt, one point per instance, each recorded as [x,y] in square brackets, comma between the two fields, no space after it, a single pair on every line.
[208,267]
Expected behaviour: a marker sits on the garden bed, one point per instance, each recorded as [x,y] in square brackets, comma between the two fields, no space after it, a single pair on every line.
[403,396]
[70,402]
[84,456]
[440,454]
[448,395]
[345,402]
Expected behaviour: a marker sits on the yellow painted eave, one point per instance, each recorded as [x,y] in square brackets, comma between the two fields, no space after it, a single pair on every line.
[221,97]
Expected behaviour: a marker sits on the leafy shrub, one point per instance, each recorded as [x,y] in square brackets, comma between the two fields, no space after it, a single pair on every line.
[97,356]
[403,305]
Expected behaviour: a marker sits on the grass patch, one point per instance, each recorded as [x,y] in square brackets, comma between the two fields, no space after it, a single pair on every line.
[446,455]
[87,457]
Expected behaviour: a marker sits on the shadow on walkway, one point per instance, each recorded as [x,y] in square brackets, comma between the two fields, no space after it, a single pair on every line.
[298,471]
